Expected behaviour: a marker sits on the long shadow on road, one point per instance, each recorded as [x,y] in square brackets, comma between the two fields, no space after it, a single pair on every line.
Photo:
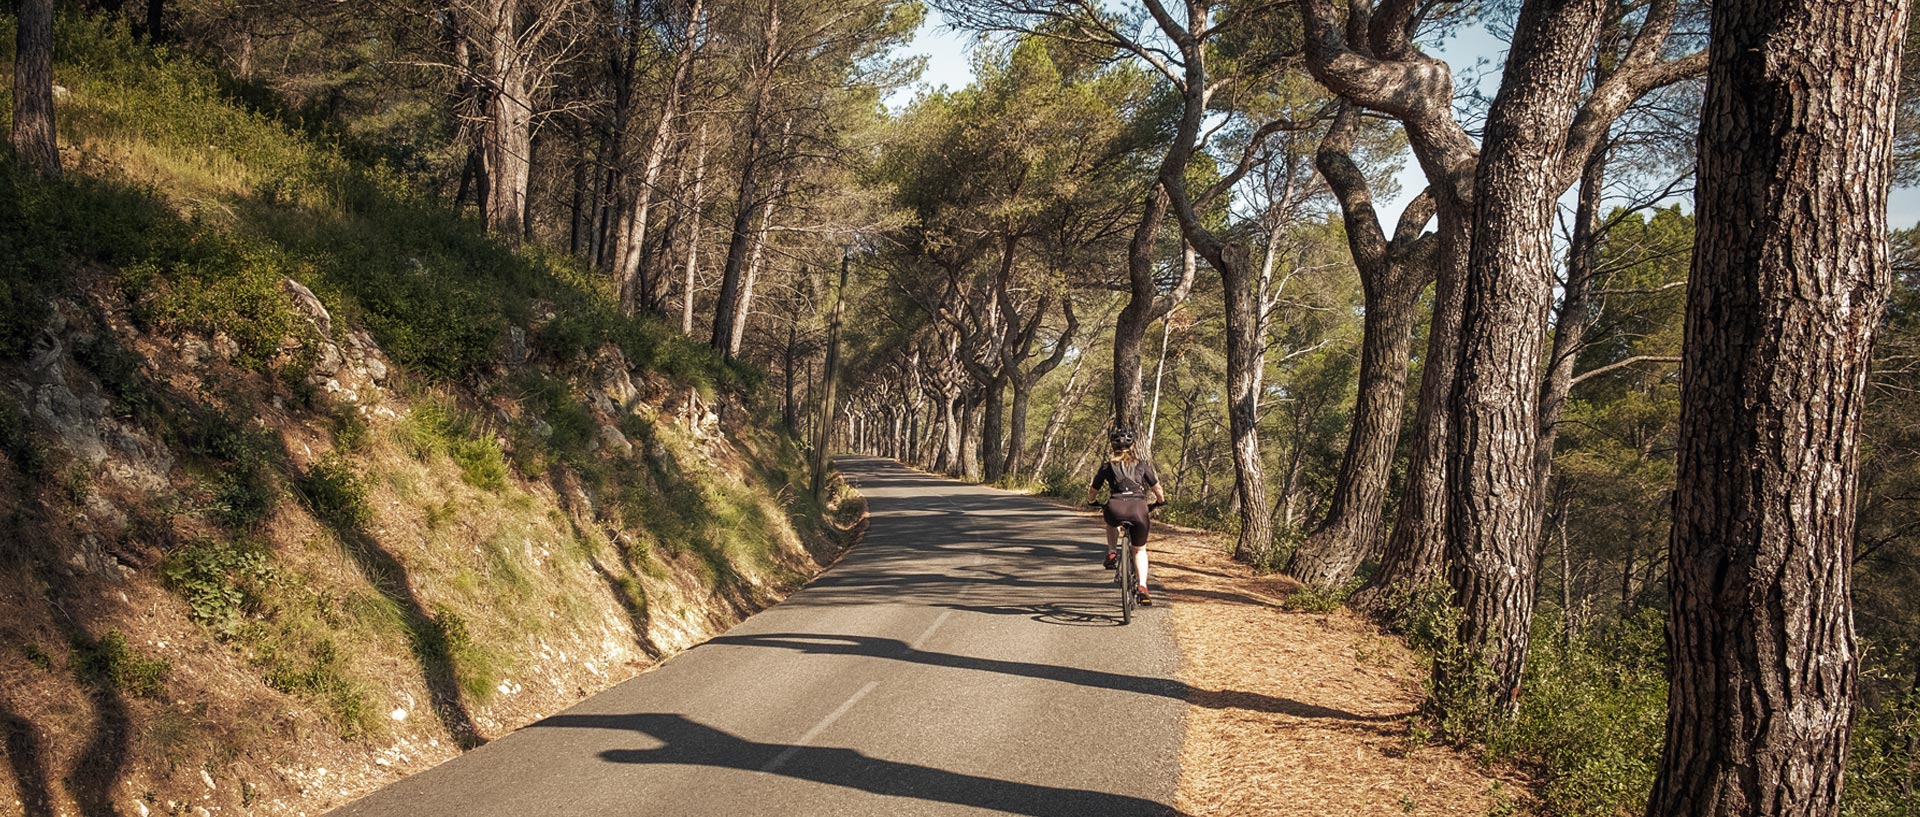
[895,649]
[689,742]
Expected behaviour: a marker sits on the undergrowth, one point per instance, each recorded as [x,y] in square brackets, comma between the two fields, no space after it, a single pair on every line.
[109,663]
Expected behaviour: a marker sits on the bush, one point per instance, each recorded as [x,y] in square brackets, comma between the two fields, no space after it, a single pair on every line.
[223,583]
[1594,715]
[1883,767]
[435,426]
[108,663]
[336,494]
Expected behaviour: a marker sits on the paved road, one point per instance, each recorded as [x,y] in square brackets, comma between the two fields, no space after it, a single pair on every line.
[964,660]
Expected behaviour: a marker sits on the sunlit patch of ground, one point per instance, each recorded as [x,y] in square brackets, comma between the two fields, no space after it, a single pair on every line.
[1296,713]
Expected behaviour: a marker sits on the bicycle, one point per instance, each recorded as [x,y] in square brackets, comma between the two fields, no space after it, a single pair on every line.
[1123,576]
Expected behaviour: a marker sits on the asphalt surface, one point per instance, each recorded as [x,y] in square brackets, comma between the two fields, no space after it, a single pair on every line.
[965,659]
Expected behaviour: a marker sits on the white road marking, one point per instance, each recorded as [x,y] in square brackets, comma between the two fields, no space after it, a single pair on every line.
[788,753]
[928,633]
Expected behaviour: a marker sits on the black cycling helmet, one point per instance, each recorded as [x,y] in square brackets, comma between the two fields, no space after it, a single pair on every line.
[1121,437]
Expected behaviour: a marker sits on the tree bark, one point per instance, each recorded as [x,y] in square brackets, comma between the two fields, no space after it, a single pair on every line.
[631,238]
[747,197]
[507,153]
[693,236]
[1493,508]
[1392,274]
[34,143]
[759,254]
[1571,324]
[1789,280]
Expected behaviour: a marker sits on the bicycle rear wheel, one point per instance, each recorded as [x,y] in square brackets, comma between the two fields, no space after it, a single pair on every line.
[1125,577]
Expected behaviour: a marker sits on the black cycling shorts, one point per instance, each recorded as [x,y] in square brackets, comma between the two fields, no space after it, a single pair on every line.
[1132,511]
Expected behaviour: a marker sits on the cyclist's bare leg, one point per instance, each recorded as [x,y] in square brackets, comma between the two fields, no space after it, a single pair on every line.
[1113,537]
[1140,565]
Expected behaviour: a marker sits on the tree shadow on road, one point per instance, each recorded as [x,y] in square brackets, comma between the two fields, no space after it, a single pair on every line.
[689,742]
[895,649]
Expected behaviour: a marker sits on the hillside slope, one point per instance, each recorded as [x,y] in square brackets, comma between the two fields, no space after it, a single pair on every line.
[309,484]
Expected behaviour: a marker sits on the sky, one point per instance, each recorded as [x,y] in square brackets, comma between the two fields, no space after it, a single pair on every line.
[948,65]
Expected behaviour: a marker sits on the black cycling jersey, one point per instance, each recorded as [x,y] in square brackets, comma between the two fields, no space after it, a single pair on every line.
[1126,479]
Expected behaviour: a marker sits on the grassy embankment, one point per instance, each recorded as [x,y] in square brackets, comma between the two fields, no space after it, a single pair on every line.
[265,556]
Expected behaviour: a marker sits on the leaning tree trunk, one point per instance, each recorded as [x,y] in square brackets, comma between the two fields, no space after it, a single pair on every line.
[1789,280]
[1392,275]
[747,198]
[34,144]
[1246,355]
[1350,530]
[1416,549]
[1493,512]
[1144,303]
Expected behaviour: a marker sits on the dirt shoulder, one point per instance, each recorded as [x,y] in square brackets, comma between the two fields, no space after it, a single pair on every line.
[1297,713]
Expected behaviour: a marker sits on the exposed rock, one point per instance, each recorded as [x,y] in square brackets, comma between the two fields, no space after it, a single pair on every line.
[194,351]
[613,381]
[517,351]
[309,304]
[541,428]
[613,439]
[224,346]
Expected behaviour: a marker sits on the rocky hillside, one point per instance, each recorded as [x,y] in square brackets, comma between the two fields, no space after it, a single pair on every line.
[308,484]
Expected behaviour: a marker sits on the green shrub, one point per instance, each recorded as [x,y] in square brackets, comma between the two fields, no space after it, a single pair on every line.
[335,492]
[1312,599]
[223,583]
[1883,765]
[109,663]
[1593,715]
[437,427]
[316,672]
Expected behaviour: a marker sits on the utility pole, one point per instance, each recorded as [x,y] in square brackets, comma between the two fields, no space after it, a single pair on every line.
[823,431]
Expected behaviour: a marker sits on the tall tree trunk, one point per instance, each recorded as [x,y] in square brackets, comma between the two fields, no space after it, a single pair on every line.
[34,144]
[1024,380]
[1416,547]
[508,136]
[1789,280]
[759,254]
[992,439]
[631,239]
[1392,275]
[1571,324]
[1245,358]
[693,235]
[1145,304]
[970,416]
[747,195]
[786,408]
[1494,512]
[829,385]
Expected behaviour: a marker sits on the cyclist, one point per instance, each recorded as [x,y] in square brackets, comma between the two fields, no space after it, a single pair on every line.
[1131,480]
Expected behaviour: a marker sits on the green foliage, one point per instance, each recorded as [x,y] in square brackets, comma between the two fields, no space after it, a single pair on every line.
[242,460]
[1883,763]
[1593,715]
[1311,599]
[317,672]
[223,583]
[110,664]
[336,493]
[438,427]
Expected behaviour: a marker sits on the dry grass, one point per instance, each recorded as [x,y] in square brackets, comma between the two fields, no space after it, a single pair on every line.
[1300,713]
